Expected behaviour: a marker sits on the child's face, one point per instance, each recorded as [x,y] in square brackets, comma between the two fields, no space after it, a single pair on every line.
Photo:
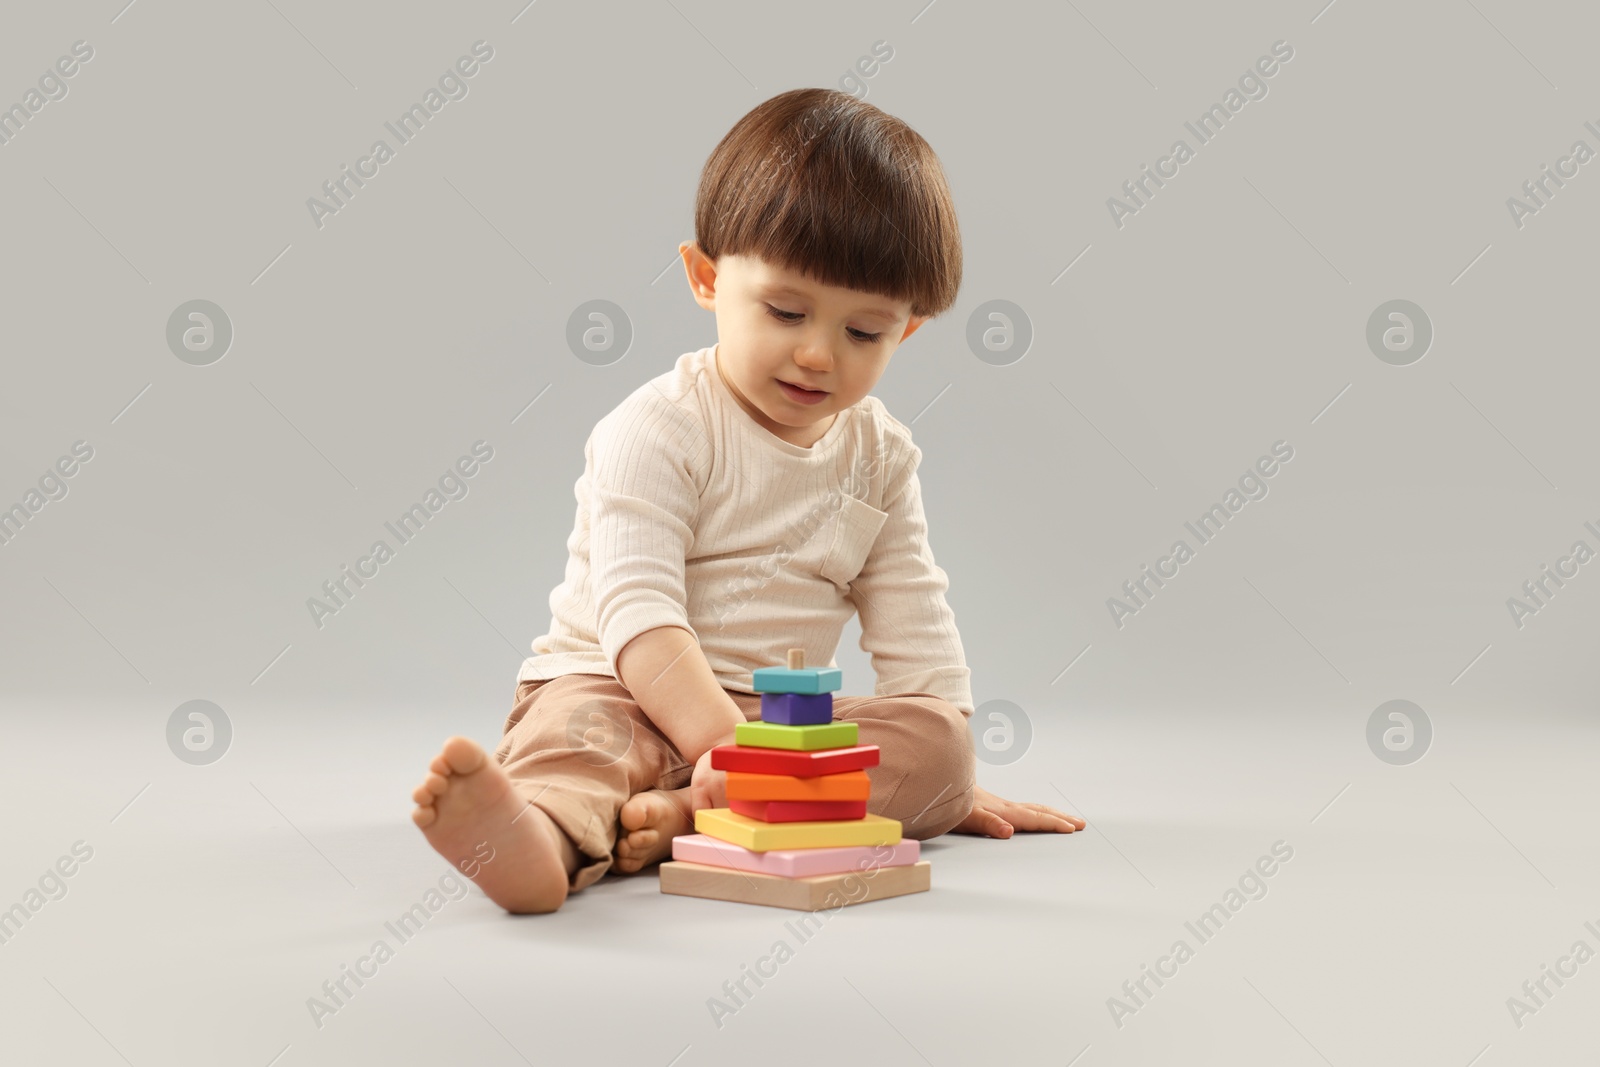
[777,328]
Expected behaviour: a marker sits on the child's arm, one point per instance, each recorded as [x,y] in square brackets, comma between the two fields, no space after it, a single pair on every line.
[667,673]
[645,465]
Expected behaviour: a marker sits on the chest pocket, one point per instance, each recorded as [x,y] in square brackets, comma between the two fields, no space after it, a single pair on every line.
[854,531]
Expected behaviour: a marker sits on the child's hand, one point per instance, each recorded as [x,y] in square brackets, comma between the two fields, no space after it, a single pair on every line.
[707,788]
[994,816]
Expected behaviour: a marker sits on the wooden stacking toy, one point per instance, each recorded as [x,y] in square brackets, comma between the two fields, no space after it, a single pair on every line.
[796,832]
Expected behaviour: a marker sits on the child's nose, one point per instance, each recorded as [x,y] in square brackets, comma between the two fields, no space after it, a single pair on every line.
[814,357]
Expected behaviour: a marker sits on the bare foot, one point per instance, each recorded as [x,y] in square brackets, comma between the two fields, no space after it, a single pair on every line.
[472,817]
[650,820]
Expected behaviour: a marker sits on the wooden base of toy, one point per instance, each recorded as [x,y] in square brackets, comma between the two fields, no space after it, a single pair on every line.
[816,893]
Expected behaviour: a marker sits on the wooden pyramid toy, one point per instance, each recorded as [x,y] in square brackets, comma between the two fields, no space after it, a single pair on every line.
[796,832]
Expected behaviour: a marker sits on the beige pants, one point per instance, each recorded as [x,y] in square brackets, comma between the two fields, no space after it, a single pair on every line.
[577,747]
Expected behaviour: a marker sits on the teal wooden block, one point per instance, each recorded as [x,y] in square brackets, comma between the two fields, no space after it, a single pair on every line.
[811,680]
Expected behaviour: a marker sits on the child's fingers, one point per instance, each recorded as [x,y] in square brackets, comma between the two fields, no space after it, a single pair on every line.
[1046,809]
[1072,821]
[1041,817]
[990,823]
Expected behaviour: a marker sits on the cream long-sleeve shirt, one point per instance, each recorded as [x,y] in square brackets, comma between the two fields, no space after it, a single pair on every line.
[691,514]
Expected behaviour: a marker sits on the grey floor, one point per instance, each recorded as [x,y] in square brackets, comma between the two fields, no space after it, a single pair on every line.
[1417,900]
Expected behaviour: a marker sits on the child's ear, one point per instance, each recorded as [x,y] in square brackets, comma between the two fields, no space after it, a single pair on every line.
[911,326]
[702,274]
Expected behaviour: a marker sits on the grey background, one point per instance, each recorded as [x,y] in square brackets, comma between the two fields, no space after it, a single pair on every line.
[1230,713]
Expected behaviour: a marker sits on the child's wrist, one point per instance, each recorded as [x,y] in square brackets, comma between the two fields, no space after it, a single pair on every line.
[723,735]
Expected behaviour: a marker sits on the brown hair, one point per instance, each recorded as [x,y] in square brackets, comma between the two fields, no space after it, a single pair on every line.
[822,183]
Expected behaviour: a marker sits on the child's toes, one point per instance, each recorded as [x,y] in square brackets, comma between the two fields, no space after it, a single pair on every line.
[633,848]
[634,812]
[462,755]
[431,789]
[424,815]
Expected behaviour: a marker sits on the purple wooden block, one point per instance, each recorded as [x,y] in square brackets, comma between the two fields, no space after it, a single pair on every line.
[797,709]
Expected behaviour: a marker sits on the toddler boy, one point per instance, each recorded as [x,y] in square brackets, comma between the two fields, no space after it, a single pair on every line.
[746,502]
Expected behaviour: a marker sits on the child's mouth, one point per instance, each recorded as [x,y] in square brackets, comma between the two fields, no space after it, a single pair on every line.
[802,396]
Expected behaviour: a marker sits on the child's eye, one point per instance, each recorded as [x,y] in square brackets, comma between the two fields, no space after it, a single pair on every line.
[792,317]
[784,316]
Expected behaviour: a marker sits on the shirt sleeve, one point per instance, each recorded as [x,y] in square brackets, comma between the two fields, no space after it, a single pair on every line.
[907,625]
[642,462]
